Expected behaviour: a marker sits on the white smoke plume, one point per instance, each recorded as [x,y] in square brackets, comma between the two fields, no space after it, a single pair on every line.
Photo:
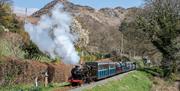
[53,36]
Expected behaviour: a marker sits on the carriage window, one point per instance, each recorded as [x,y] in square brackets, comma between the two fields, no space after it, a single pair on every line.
[100,67]
[111,65]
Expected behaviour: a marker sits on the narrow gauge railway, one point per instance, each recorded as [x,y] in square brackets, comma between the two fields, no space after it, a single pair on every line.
[94,71]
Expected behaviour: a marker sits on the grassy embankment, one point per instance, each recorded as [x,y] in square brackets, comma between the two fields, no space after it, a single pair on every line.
[136,81]
[31,87]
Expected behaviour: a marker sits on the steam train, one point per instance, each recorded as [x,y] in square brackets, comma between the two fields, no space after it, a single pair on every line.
[94,71]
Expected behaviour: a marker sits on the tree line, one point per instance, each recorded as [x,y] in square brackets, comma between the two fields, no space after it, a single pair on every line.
[159,22]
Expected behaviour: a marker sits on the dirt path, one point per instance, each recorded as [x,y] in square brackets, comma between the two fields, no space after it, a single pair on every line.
[102,82]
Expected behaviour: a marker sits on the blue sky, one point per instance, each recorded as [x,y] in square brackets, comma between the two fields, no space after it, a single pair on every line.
[109,3]
[93,3]
[34,5]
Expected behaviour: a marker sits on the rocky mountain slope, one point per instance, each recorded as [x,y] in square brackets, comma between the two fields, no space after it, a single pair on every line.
[98,29]
[101,26]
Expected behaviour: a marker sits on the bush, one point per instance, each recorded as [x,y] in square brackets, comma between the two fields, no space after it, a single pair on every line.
[139,63]
[154,71]
[89,58]
[7,19]
[33,52]
[1,28]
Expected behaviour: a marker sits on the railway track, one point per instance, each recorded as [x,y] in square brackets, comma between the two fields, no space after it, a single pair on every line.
[101,82]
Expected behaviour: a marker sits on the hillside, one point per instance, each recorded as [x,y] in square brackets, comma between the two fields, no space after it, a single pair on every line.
[103,22]
[101,28]
[38,52]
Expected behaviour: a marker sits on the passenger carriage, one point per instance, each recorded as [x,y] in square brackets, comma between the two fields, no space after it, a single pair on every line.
[102,70]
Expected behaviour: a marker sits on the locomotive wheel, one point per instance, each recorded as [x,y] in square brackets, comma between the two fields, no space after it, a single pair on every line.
[74,84]
[88,80]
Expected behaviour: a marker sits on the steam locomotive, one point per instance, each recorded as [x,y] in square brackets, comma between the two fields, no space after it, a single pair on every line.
[94,71]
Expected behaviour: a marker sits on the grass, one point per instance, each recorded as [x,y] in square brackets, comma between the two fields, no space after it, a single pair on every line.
[8,49]
[31,87]
[136,81]
[25,88]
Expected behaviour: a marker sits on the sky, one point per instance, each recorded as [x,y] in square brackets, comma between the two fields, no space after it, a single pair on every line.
[109,3]
[93,3]
[34,5]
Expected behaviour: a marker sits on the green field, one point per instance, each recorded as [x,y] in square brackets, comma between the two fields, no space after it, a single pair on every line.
[135,81]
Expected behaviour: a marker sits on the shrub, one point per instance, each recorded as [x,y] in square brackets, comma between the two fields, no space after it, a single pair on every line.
[154,71]
[139,63]
[1,28]
[33,52]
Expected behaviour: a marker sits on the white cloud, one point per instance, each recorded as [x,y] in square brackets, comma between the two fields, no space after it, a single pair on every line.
[21,10]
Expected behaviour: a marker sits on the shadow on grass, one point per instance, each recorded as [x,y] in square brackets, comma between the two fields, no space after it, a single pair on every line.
[154,71]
